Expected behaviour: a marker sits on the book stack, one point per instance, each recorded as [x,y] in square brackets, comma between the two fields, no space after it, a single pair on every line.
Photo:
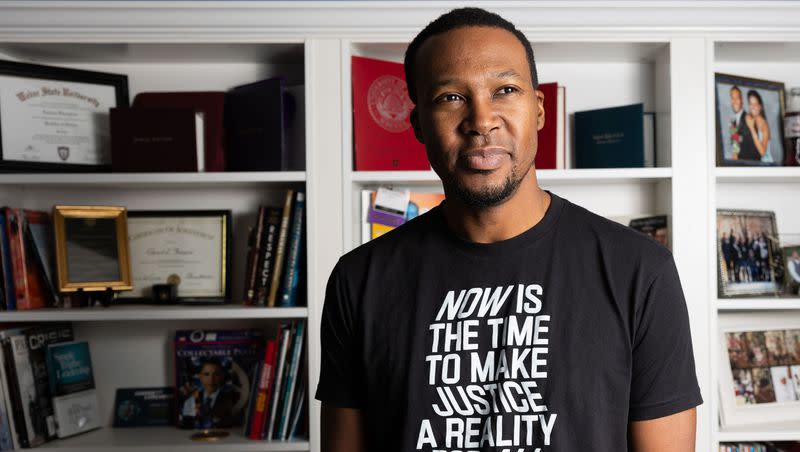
[274,267]
[46,386]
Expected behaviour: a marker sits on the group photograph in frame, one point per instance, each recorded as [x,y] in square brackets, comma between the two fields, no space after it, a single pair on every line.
[749,121]
[91,248]
[791,255]
[748,253]
[55,118]
[759,368]
[189,251]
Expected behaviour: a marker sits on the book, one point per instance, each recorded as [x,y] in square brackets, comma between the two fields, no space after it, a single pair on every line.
[262,397]
[38,234]
[257,116]
[28,286]
[550,153]
[144,407]
[35,431]
[73,388]
[268,431]
[157,140]
[280,248]
[37,339]
[419,203]
[6,271]
[8,378]
[267,255]
[291,379]
[291,273]
[297,413]
[654,226]
[252,260]
[6,428]
[383,139]
[613,138]
[210,103]
[213,369]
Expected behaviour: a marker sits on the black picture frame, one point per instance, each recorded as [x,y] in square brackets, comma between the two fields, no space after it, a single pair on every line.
[227,237]
[61,74]
[774,111]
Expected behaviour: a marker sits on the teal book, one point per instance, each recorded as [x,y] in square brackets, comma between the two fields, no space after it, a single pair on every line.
[613,138]
[72,388]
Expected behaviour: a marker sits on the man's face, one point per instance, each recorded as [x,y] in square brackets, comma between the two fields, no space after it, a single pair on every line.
[477,112]
[736,100]
[211,377]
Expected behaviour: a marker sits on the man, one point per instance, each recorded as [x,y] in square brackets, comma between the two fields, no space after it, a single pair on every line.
[507,318]
[744,146]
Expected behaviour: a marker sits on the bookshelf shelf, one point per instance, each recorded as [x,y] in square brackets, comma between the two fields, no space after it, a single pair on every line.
[162,439]
[605,175]
[757,304]
[788,431]
[133,180]
[765,174]
[150,312]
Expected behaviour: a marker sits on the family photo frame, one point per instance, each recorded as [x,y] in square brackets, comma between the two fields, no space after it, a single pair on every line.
[749,121]
[748,253]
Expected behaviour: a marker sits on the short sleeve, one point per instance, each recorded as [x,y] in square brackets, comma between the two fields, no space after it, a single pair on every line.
[664,379]
[340,369]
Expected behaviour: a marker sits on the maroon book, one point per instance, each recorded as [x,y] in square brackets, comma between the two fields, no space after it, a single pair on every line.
[210,103]
[154,140]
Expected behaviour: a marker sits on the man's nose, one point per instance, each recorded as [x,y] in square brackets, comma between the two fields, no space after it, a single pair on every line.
[482,118]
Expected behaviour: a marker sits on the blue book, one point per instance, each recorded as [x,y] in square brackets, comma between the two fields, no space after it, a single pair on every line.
[72,387]
[612,138]
[291,380]
[5,265]
[291,273]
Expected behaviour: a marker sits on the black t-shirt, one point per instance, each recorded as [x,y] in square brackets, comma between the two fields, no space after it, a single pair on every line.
[552,340]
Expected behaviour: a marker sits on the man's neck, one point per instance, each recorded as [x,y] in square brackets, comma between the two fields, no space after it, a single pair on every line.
[523,210]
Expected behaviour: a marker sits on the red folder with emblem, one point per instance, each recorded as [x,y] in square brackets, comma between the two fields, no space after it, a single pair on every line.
[383,139]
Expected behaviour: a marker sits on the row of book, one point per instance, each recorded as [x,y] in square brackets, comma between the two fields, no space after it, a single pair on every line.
[274,257]
[230,378]
[760,447]
[26,270]
[47,386]
[616,137]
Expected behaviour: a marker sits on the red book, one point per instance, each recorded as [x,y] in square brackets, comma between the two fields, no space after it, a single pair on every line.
[382,135]
[264,390]
[210,103]
[30,292]
[547,151]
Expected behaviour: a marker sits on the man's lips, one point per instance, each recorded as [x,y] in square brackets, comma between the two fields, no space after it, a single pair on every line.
[484,159]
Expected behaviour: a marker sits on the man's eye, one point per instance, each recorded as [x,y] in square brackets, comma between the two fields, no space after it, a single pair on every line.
[508,90]
[450,98]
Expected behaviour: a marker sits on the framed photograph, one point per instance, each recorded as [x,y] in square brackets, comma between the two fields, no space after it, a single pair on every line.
[57,119]
[91,248]
[748,253]
[791,264]
[187,248]
[749,121]
[759,368]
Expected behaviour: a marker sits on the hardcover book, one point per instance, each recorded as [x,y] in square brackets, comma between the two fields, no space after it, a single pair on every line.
[550,153]
[262,397]
[30,292]
[289,290]
[280,249]
[267,255]
[210,103]
[157,140]
[38,234]
[6,268]
[72,385]
[611,138]
[8,380]
[382,135]
[213,372]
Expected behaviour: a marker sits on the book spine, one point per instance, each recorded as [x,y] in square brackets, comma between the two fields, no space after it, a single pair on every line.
[16,398]
[291,380]
[262,398]
[9,408]
[39,264]
[268,244]
[299,408]
[268,433]
[280,250]
[292,272]
[252,263]
[251,402]
[27,390]
[38,338]
[16,252]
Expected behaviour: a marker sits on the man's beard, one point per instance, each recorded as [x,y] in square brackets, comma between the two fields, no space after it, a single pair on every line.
[490,196]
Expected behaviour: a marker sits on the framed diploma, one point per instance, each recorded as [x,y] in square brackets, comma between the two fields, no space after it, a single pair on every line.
[91,248]
[189,249]
[57,119]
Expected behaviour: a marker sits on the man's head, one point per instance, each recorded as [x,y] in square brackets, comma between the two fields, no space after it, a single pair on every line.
[473,79]
[211,375]
[736,99]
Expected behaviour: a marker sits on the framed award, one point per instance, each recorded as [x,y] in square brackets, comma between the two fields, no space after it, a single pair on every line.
[57,119]
[187,249]
[91,248]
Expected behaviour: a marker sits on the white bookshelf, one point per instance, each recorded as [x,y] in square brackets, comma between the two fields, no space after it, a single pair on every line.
[758,304]
[787,431]
[660,53]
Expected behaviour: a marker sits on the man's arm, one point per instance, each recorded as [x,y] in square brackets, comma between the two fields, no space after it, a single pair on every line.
[342,429]
[673,433]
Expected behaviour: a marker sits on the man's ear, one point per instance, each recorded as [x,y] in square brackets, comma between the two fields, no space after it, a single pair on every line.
[413,116]
[539,95]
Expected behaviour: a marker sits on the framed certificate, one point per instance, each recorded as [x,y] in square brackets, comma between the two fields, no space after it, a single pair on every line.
[91,250]
[190,249]
[57,119]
